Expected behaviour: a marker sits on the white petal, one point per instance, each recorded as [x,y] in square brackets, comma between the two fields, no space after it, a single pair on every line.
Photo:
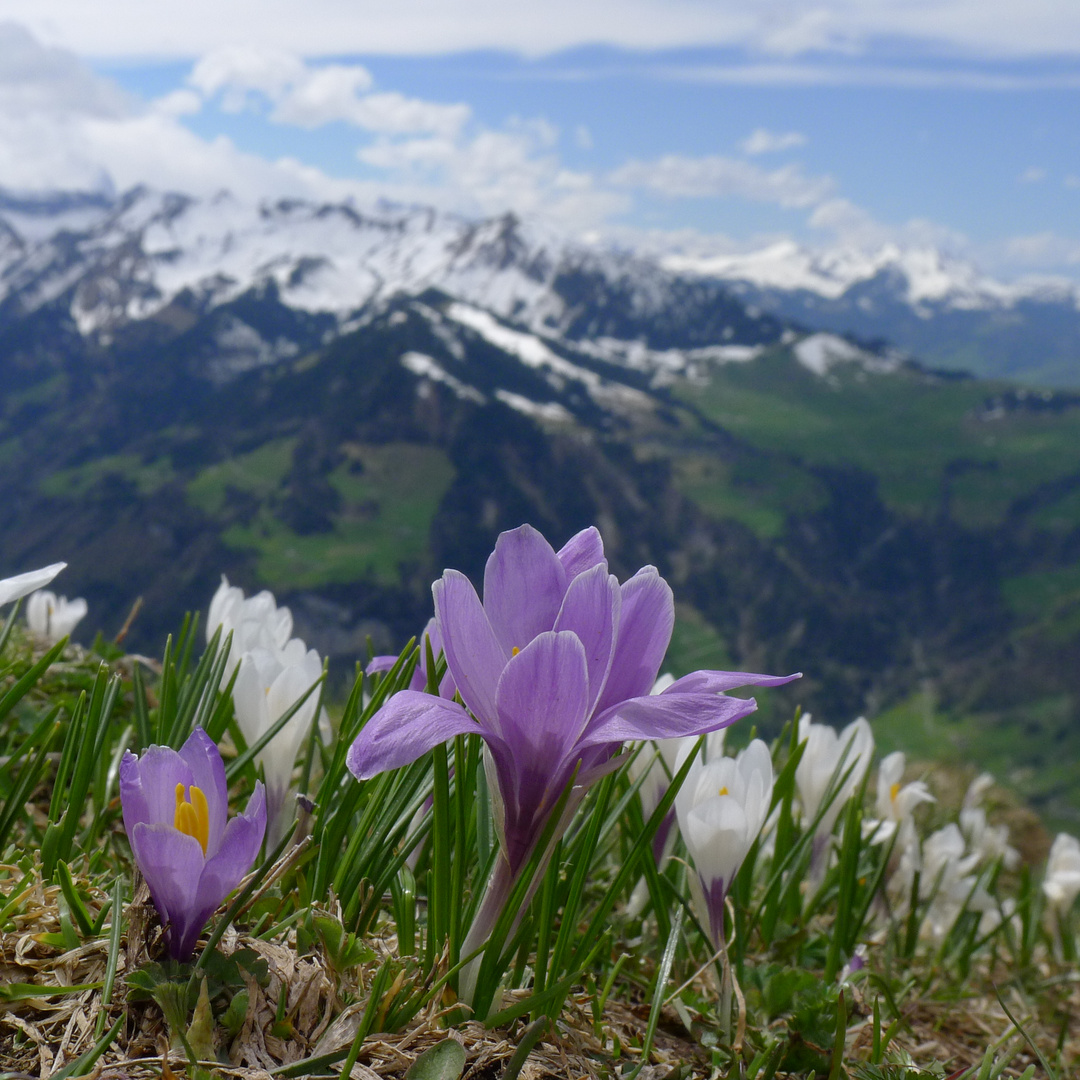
[15,588]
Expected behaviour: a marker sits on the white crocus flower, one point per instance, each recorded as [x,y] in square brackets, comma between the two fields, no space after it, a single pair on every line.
[721,809]
[1062,882]
[821,762]
[267,685]
[947,878]
[15,588]
[988,841]
[896,802]
[51,617]
[656,763]
[255,622]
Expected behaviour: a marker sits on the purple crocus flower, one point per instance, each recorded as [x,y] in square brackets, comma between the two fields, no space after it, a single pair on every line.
[555,668]
[175,811]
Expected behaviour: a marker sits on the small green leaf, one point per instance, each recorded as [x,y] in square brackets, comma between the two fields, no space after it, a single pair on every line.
[74,900]
[200,1033]
[233,1017]
[443,1061]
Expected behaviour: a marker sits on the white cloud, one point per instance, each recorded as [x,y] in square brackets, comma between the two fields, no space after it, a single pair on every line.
[904,75]
[181,102]
[237,71]
[35,79]
[1032,175]
[996,28]
[1071,181]
[310,96]
[845,224]
[763,141]
[492,171]
[63,126]
[714,176]
[1042,251]
[391,112]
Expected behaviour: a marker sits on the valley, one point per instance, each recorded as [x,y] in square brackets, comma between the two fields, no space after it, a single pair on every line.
[907,537]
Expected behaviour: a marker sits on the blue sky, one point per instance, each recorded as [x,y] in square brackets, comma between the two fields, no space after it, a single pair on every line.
[954,124]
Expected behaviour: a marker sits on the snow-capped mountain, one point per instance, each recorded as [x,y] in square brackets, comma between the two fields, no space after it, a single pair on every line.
[114,262]
[927,275]
[935,307]
[102,264]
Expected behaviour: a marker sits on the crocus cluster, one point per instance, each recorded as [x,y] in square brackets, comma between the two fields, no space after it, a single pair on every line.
[947,862]
[555,668]
[175,807]
[273,672]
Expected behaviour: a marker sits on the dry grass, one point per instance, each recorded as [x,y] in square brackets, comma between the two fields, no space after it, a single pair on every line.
[41,1034]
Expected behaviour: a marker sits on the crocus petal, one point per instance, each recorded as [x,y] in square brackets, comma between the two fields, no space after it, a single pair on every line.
[646,620]
[543,698]
[473,653]
[718,682]
[665,716]
[172,864]
[14,588]
[222,603]
[591,611]
[379,664]
[279,756]
[239,849]
[148,786]
[68,615]
[255,672]
[407,726]
[207,772]
[524,586]
[582,552]
[717,836]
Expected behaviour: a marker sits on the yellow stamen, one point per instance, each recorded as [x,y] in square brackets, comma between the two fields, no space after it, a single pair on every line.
[723,790]
[514,651]
[193,814]
[893,792]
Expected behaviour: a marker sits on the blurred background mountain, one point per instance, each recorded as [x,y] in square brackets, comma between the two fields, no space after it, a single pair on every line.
[336,405]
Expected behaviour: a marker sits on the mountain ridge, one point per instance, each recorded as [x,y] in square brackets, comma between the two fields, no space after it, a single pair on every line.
[131,257]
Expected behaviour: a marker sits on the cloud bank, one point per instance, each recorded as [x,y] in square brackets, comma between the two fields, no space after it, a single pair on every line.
[62,126]
[787,28]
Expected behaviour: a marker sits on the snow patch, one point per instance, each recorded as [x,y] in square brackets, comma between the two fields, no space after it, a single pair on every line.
[549,411]
[528,348]
[819,353]
[428,368]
